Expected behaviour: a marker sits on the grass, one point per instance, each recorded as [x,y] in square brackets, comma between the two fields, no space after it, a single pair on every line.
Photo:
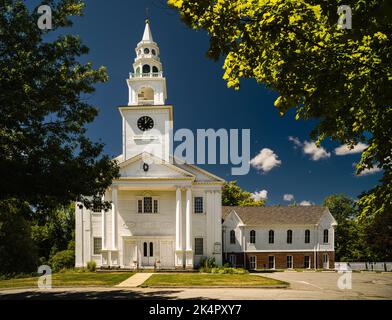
[211,280]
[70,278]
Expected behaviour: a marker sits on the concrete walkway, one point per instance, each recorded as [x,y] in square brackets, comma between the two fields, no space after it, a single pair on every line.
[135,280]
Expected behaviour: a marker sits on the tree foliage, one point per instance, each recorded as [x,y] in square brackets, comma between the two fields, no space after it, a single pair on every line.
[46,158]
[18,254]
[54,231]
[342,78]
[233,195]
[349,237]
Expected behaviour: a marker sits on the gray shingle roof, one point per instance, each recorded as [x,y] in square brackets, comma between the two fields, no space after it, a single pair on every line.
[277,214]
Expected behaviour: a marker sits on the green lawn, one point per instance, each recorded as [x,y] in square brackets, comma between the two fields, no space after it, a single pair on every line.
[70,278]
[219,280]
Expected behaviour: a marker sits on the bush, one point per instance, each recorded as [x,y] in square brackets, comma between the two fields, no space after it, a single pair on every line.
[206,264]
[91,266]
[62,259]
[229,270]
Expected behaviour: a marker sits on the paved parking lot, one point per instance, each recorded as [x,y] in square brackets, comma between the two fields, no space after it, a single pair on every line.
[303,285]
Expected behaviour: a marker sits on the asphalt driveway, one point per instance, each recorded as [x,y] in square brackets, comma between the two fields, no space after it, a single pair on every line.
[303,285]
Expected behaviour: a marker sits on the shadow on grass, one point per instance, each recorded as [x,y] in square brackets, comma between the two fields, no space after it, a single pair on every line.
[95,295]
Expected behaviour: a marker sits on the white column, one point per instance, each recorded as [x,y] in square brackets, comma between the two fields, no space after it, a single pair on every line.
[103,224]
[179,253]
[188,217]
[114,217]
[178,219]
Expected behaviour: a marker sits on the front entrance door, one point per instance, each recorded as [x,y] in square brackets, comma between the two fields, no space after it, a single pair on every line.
[149,253]
[325,261]
[167,254]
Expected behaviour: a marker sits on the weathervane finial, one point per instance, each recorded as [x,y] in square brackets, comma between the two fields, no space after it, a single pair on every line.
[147,16]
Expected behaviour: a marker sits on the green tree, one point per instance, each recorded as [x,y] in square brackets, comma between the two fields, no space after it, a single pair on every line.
[233,195]
[53,231]
[46,158]
[349,235]
[342,78]
[18,254]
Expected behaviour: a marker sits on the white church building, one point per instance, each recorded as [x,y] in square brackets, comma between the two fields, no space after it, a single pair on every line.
[169,214]
[163,213]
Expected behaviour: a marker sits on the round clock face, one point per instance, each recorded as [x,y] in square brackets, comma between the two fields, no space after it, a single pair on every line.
[145,123]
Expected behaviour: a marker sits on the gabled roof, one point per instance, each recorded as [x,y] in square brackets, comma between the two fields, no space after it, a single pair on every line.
[188,170]
[170,169]
[271,215]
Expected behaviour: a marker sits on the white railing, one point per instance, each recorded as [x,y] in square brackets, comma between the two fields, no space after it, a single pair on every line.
[146,75]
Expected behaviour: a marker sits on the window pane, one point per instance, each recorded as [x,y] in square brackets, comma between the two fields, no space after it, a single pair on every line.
[139,206]
[307,262]
[289,262]
[151,249]
[289,236]
[199,205]
[253,262]
[252,236]
[307,236]
[271,236]
[232,237]
[326,236]
[97,245]
[147,205]
[155,206]
[199,246]
[145,249]
[271,262]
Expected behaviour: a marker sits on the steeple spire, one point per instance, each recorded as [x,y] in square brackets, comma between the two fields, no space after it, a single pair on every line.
[147,35]
[147,85]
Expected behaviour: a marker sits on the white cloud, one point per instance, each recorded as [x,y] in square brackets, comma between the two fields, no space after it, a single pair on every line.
[296,141]
[288,197]
[344,149]
[310,148]
[260,195]
[316,153]
[369,171]
[305,203]
[266,160]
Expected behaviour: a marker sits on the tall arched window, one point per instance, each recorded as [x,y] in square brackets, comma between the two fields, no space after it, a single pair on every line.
[146,68]
[232,237]
[145,249]
[252,236]
[151,249]
[325,235]
[307,236]
[271,236]
[289,236]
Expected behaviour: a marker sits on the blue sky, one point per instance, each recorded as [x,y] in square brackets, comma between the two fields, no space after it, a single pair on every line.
[111,29]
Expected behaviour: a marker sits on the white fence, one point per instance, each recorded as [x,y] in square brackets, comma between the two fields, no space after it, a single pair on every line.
[365,266]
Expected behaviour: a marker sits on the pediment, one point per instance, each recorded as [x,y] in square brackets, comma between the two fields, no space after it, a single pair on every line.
[156,168]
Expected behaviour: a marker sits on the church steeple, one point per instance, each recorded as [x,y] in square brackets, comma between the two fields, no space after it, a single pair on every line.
[146,83]
[147,35]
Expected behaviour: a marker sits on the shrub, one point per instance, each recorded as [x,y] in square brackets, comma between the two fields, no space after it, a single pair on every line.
[91,266]
[228,270]
[62,259]
[206,264]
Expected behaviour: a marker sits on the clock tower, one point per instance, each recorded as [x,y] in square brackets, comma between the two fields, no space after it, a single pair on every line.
[146,120]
